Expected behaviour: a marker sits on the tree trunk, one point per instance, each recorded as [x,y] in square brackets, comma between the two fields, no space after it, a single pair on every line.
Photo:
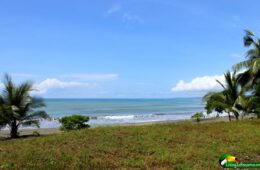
[14,130]
[229,117]
[236,115]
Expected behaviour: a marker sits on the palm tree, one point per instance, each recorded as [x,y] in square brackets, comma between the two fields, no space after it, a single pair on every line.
[216,101]
[226,99]
[251,75]
[18,108]
[246,104]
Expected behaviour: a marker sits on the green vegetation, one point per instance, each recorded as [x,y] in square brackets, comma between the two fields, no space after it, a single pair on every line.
[185,145]
[197,116]
[241,92]
[225,100]
[36,133]
[74,122]
[18,108]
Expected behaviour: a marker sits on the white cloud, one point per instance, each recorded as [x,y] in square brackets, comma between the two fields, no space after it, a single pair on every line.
[1,86]
[205,83]
[53,83]
[91,77]
[115,8]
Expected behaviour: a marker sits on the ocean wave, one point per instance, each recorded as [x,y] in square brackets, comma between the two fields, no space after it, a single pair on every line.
[130,116]
[116,117]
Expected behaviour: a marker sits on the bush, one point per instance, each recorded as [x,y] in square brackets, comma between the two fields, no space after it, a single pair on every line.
[36,133]
[74,122]
[197,116]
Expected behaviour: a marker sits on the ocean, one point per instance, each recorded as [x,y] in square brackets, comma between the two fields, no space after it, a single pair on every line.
[121,111]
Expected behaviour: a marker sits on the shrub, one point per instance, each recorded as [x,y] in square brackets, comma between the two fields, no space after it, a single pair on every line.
[74,122]
[197,116]
[36,133]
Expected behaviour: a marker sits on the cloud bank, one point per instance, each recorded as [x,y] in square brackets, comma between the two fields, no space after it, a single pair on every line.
[52,83]
[205,83]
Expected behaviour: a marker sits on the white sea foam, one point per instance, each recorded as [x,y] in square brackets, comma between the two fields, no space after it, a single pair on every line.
[116,117]
[215,114]
[121,119]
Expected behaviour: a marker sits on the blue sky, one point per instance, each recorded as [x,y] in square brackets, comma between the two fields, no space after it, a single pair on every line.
[123,49]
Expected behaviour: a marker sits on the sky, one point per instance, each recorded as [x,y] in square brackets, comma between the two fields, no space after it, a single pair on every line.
[123,48]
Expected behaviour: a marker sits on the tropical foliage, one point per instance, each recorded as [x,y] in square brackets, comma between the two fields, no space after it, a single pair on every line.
[197,116]
[18,108]
[226,99]
[241,92]
[251,76]
[74,122]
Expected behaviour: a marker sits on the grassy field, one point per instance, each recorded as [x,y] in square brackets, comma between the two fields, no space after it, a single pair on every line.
[166,146]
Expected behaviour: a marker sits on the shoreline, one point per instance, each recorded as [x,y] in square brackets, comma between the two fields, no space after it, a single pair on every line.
[53,131]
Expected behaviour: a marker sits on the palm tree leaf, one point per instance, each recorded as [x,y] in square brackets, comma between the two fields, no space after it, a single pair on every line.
[221,84]
[21,96]
[38,114]
[30,123]
[9,89]
[243,64]
[248,40]
[252,53]
[248,32]
[256,66]
[244,79]
[37,102]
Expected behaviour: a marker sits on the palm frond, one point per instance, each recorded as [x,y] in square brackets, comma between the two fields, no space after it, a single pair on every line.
[248,40]
[9,88]
[252,53]
[221,84]
[244,79]
[37,102]
[248,32]
[38,114]
[243,64]
[30,123]
[21,95]
[256,66]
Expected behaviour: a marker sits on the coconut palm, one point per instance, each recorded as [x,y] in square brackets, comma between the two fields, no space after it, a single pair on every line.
[226,99]
[18,108]
[246,104]
[251,75]
[219,102]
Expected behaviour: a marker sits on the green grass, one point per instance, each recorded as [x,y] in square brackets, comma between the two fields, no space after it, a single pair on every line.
[164,146]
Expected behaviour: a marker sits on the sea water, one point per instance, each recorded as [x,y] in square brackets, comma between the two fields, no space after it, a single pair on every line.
[122,111]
